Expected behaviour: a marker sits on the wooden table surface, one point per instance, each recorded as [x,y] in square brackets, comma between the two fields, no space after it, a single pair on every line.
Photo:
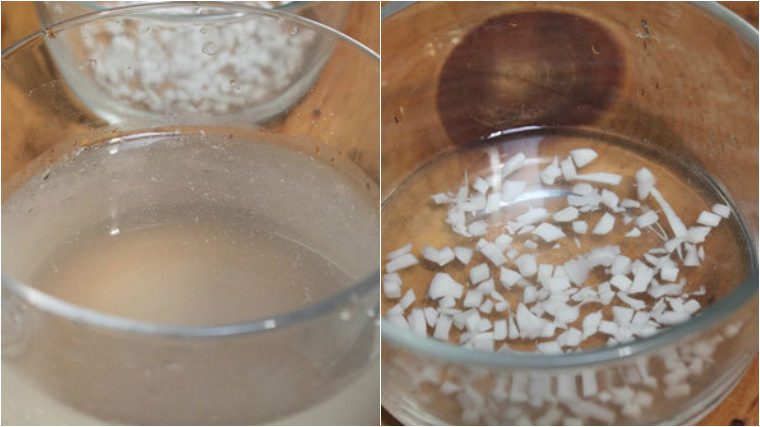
[739,408]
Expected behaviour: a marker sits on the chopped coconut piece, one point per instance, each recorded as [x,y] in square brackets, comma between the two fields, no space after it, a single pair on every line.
[580,227]
[479,273]
[440,199]
[679,229]
[516,162]
[550,174]
[526,264]
[509,277]
[605,224]
[431,316]
[548,232]
[646,219]
[442,257]
[709,219]
[620,265]
[610,199]
[591,323]
[392,285]
[492,252]
[442,328]
[568,214]
[599,177]
[480,185]
[401,262]
[472,299]
[629,204]
[722,210]
[583,156]
[568,169]
[407,300]
[634,303]
[621,282]
[697,234]
[400,251]
[644,183]
[642,275]
[464,255]
[634,232]
[503,241]
[444,285]
[669,274]
[477,228]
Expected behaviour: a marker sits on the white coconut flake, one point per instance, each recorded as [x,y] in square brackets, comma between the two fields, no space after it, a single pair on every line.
[642,275]
[401,262]
[577,270]
[568,169]
[442,328]
[621,282]
[583,156]
[444,285]
[691,258]
[605,224]
[464,255]
[526,264]
[549,347]
[646,219]
[644,183]
[580,227]
[550,174]
[392,285]
[697,234]
[709,219]
[676,225]
[722,210]
[417,323]
[634,303]
[440,199]
[407,300]
[477,228]
[500,330]
[529,324]
[481,185]
[620,265]
[492,252]
[548,232]
[610,199]
[431,316]
[516,162]
[634,232]
[669,274]
[630,204]
[472,299]
[591,323]
[400,251]
[568,214]
[486,287]
[479,273]
[509,277]
[599,177]
[440,257]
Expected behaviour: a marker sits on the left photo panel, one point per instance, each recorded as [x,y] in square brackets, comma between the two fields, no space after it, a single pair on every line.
[190,213]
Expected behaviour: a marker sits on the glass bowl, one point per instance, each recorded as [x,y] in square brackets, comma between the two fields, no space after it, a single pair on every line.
[100,61]
[466,86]
[295,355]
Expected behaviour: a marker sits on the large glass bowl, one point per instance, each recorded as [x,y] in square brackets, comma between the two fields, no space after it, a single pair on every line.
[69,364]
[677,77]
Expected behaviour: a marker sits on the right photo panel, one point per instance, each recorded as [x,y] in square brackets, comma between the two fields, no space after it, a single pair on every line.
[569,213]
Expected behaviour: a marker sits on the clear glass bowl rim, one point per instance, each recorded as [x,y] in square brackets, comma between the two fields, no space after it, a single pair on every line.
[743,294]
[79,314]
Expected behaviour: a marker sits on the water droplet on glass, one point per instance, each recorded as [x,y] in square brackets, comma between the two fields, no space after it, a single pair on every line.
[209,48]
